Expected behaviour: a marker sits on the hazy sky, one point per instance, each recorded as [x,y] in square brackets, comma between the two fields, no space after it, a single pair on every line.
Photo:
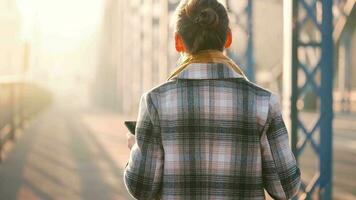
[68,21]
[64,35]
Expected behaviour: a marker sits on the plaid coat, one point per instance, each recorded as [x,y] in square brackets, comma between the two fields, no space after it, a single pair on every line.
[210,134]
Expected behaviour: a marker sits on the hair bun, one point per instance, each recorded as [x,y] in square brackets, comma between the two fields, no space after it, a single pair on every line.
[207,18]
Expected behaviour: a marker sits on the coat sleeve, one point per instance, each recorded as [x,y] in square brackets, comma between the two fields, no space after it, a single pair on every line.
[281,175]
[143,172]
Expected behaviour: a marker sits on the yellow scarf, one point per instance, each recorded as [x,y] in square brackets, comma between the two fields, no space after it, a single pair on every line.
[206,56]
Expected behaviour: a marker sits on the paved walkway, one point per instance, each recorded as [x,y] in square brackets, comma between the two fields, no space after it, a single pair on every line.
[66,154]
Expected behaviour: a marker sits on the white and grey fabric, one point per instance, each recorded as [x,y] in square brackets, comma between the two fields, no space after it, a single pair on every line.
[210,134]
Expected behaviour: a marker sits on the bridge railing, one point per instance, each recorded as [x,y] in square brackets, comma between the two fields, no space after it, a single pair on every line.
[20,100]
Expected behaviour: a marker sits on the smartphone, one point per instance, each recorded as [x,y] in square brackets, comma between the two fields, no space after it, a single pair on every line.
[131,125]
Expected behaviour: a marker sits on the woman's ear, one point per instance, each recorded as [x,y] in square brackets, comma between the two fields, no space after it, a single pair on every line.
[179,43]
[228,39]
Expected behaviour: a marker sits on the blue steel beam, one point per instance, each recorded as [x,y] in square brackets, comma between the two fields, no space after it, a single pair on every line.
[303,39]
[246,60]
[326,103]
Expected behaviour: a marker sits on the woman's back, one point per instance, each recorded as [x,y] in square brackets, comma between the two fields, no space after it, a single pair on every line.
[211,134]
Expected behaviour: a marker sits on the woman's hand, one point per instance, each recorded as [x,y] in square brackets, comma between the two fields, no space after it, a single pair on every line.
[131,140]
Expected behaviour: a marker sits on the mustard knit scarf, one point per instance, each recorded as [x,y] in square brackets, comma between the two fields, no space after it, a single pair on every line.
[206,56]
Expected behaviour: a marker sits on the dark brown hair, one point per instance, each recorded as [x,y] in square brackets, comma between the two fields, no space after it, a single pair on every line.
[202,24]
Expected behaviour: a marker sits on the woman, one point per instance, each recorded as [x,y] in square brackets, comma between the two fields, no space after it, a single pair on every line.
[209,133]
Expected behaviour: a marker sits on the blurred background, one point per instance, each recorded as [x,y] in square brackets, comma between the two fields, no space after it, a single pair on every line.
[72,71]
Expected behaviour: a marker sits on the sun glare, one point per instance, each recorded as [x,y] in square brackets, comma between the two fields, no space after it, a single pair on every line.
[61,19]
[64,36]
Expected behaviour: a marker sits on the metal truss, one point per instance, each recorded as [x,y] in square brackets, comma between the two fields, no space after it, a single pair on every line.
[312,73]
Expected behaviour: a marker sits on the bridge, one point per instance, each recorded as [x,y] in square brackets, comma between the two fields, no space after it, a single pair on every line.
[67,83]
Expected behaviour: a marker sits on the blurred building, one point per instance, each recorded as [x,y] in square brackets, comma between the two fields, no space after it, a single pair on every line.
[106,86]
[135,51]
[11,43]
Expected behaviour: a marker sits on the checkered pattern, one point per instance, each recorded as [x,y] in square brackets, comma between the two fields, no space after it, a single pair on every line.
[210,134]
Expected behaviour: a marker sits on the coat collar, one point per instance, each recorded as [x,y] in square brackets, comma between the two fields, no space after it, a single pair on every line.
[207,71]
